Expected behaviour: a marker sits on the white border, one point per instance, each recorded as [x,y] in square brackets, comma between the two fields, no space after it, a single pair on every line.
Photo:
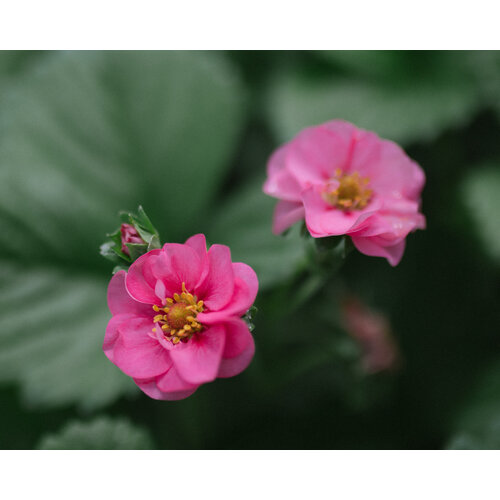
[252,475]
[256,24]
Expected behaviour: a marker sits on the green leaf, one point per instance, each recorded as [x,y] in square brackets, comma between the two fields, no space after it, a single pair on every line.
[244,224]
[102,433]
[85,135]
[371,63]
[481,196]
[485,64]
[402,109]
[52,327]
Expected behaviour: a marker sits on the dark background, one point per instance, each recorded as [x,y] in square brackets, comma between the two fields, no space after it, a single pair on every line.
[187,135]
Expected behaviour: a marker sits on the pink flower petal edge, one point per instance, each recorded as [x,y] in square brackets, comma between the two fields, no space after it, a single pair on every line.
[343,180]
[176,318]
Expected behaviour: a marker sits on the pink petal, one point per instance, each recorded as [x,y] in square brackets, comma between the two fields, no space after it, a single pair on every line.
[184,266]
[138,354]
[390,170]
[150,388]
[161,268]
[198,361]
[172,382]
[219,283]
[238,338]
[390,227]
[233,366]
[199,244]
[286,214]
[140,281]
[245,290]
[280,183]
[112,333]
[317,152]
[370,246]
[119,300]
[325,220]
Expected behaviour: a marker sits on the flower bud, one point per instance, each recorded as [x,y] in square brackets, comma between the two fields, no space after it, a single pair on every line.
[133,238]
[129,234]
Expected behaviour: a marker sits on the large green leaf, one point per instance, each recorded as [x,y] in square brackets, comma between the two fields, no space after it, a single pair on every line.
[52,325]
[481,195]
[405,105]
[86,135]
[83,136]
[102,433]
[244,222]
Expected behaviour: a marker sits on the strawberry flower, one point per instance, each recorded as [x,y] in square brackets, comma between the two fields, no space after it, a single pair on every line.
[177,318]
[347,181]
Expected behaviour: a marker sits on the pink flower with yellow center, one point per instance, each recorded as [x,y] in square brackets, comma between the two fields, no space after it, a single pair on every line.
[177,318]
[347,181]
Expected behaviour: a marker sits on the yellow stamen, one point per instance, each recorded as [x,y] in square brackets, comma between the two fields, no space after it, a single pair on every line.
[178,318]
[351,192]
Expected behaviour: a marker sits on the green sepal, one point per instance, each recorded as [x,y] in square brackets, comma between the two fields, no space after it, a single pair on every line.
[143,225]
[111,249]
[136,250]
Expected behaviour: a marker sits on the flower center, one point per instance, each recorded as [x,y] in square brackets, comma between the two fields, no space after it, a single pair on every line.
[177,318]
[347,192]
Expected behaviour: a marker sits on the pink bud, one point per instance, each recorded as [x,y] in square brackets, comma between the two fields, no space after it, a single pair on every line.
[372,331]
[129,235]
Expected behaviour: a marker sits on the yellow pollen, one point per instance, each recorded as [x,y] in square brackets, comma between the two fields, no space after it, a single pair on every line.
[178,318]
[350,192]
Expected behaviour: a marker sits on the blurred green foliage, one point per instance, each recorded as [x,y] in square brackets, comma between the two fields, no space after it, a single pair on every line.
[101,433]
[187,135]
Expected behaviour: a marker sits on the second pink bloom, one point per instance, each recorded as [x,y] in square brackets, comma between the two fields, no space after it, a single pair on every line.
[347,181]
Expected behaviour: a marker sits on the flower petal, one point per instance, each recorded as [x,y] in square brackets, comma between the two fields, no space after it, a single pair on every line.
[372,246]
[280,182]
[390,170]
[219,283]
[172,382]
[120,301]
[286,214]
[233,366]
[138,354]
[181,264]
[112,333]
[198,361]
[140,280]
[238,338]
[150,388]
[199,244]
[317,152]
[245,290]
[324,220]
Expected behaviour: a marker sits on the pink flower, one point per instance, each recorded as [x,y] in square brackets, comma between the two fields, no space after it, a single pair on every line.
[129,235]
[373,333]
[177,318]
[345,180]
